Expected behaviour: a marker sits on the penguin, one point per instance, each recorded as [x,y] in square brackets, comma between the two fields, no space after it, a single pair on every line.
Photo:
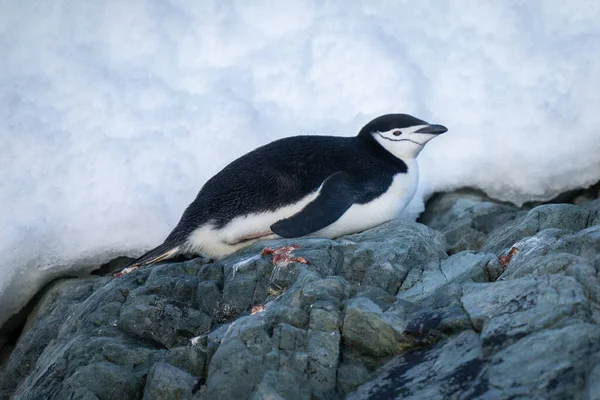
[323,186]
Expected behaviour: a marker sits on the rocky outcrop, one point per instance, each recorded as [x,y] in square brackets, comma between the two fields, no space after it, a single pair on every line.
[488,301]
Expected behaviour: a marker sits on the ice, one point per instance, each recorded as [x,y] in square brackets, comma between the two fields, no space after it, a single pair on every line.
[114,113]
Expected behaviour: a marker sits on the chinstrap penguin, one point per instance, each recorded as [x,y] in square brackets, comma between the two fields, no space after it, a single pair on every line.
[303,186]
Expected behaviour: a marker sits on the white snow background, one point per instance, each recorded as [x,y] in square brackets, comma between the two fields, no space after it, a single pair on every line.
[114,113]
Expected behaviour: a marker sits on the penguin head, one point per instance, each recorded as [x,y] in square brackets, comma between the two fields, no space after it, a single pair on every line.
[401,134]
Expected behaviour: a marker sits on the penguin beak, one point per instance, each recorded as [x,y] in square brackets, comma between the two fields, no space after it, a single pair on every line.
[433,129]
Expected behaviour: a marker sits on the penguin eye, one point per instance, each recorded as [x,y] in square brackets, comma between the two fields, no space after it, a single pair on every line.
[397,133]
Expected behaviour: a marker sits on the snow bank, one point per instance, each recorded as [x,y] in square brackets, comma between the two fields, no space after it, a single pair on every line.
[113,114]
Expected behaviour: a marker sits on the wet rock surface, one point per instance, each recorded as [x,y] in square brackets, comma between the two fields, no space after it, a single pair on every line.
[488,301]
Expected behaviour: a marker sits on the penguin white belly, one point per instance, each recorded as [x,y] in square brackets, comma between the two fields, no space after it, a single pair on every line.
[386,207]
[221,242]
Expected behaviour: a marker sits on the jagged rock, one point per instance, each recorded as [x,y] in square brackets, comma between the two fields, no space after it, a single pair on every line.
[506,311]
[102,380]
[461,267]
[166,382]
[158,320]
[55,306]
[549,364]
[567,217]
[445,371]
[466,218]
[281,385]
[552,251]
[385,313]
[367,329]
[323,359]
[243,355]
[351,374]
[188,358]
[592,389]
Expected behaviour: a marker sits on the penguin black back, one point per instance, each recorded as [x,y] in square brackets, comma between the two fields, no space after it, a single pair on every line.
[284,171]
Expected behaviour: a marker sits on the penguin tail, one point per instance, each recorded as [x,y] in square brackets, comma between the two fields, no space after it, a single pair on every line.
[160,253]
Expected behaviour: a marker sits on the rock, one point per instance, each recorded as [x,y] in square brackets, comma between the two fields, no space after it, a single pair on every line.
[350,375]
[330,289]
[165,382]
[189,358]
[368,330]
[461,267]
[553,251]
[281,385]
[325,316]
[158,320]
[448,370]
[323,359]
[567,217]
[102,380]
[549,364]
[378,296]
[439,315]
[60,299]
[242,355]
[588,278]
[592,389]
[384,313]
[209,298]
[509,310]
[466,218]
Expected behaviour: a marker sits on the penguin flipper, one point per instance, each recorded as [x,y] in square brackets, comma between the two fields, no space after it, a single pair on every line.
[337,194]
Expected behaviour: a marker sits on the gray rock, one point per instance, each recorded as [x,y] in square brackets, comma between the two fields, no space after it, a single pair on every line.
[323,359]
[246,282]
[331,289]
[350,375]
[461,267]
[567,217]
[594,208]
[177,282]
[410,245]
[189,358]
[55,306]
[592,387]
[548,364]
[378,296]
[368,330]
[213,340]
[103,380]
[466,218]
[325,316]
[281,385]
[209,298]
[82,394]
[166,382]
[552,251]
[448,370]
[509,310]
[156,319]
[588,277]
[383,313]
[437,316]
[241,355]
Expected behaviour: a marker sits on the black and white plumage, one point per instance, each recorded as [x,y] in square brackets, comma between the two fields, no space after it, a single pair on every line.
[305,185]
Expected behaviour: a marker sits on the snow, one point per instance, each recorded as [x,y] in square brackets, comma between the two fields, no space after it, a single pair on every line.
[114,113]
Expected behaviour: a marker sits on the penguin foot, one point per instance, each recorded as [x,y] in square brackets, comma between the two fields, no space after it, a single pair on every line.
[504,260]
[283,255]
[125,271]
[256,309]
